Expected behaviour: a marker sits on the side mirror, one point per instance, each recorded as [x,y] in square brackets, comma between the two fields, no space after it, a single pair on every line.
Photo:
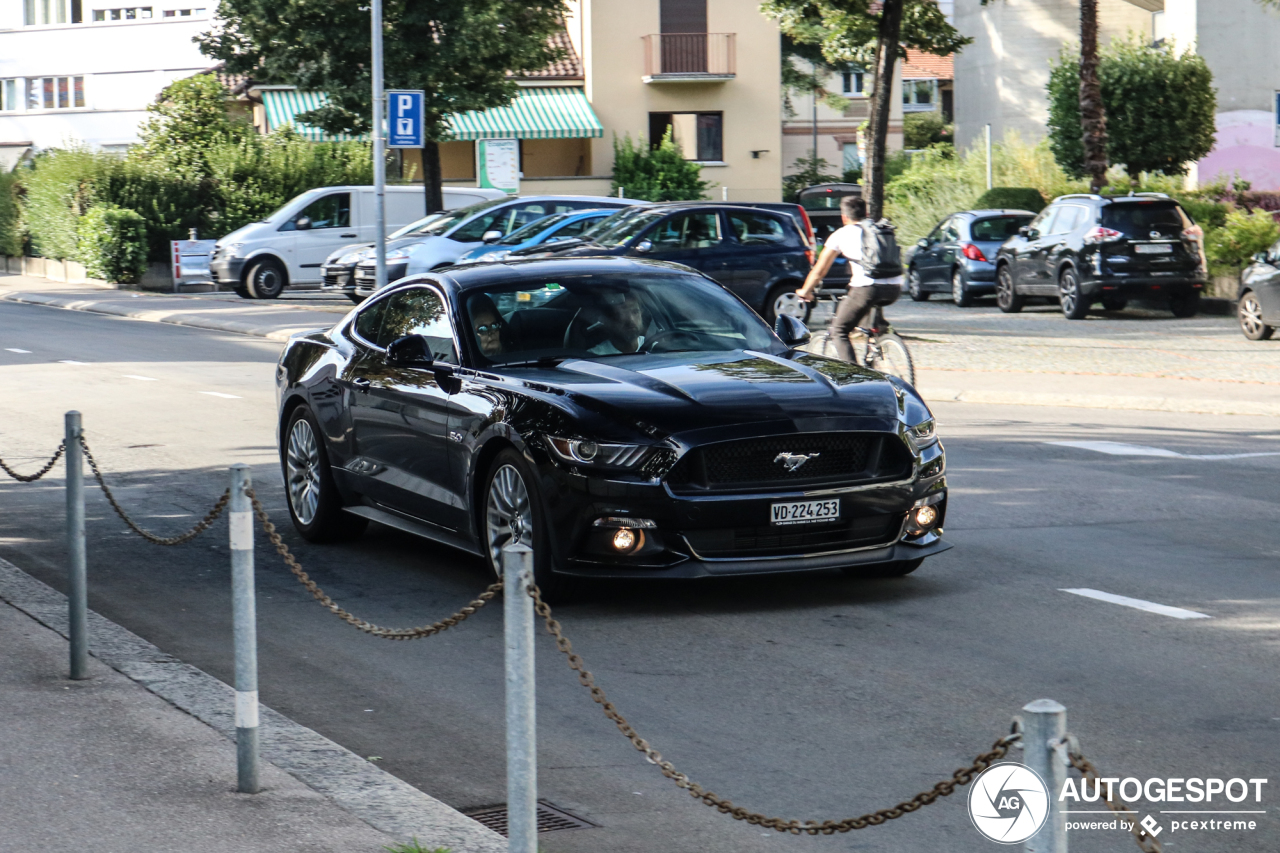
[1261,257]
[409,351]
[491,236]
[791,330]
[1024,230]
[302,223]
[923,243]
[644,246]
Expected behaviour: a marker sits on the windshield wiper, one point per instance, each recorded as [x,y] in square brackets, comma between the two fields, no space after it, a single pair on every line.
[543,361]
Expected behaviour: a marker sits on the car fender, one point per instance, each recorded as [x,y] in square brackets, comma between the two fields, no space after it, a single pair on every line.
[265,253]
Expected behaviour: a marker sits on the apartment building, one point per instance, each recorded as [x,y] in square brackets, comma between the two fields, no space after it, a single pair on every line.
[1001,77]
[85,70]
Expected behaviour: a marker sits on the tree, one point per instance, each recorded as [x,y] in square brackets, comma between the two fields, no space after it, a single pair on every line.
[1093,116]
[809,171]
[875,33]
[641,171]
[188,119]
[460,52]
[1160,108]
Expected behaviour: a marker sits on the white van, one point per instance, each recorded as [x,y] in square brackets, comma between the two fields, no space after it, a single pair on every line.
[263,258]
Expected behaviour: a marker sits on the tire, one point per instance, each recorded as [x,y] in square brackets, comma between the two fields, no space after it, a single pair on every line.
[960,293]
[773,301]
[914,286]
[509,477]
[1007,298]
[356,298]
[242,292]
[897,569]
[1114,303]
[315,504]
[1186,305]
[894,359]
[266,279]
[1075,306]
[1249,313]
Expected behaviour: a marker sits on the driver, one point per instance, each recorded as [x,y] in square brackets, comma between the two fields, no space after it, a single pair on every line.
[487,324]
[622,321]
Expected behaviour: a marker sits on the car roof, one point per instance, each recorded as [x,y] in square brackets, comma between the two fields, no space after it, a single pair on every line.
[465,278]
[998,211]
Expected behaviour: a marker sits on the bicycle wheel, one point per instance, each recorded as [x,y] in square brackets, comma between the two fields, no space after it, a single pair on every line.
[894,359]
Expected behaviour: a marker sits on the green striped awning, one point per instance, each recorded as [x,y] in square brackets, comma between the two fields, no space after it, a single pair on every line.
[282,105]
[550,113]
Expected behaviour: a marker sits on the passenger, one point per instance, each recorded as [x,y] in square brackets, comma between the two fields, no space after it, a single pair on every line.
[622,322]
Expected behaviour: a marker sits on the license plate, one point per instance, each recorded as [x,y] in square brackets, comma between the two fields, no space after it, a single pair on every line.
[1153,249]
[806,512]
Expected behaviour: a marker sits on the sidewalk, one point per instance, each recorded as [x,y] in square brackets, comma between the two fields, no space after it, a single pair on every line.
[109,765]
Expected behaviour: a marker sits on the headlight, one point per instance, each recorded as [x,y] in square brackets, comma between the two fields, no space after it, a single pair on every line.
[494,256]
[597,454]
[355,257]
[231,250]
[923,434]
[397,255]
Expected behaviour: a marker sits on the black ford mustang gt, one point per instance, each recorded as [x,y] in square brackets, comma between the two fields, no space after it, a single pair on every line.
[624,418]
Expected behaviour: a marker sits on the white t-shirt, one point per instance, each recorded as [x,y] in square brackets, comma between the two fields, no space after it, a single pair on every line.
[847,241]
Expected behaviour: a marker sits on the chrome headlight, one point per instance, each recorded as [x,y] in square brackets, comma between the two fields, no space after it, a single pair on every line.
[397,255]
[923,434]
[355,257]
[494,256]
[231,250]
[597,454]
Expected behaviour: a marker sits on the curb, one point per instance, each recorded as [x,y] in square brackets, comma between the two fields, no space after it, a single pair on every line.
[1105,401]
[379,799]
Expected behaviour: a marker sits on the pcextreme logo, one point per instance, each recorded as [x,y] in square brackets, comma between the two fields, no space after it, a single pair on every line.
[1008,802]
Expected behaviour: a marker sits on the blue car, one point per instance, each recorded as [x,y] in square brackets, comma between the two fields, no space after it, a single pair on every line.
[958,257]
[550,229]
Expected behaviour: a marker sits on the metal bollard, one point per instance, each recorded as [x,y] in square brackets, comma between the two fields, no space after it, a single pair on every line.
[522,751]
[1044,724]
[77,579]
[244,612]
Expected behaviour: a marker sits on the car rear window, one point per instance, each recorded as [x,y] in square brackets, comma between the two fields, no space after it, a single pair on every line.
[760,229]
[997,228]
[1137,220]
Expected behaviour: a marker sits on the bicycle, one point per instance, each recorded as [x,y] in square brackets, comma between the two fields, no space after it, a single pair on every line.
[879,347]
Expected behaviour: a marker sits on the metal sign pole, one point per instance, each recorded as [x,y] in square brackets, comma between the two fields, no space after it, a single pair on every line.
[379,154]
[522,752]
[988,135]
[77,580]
[245,620]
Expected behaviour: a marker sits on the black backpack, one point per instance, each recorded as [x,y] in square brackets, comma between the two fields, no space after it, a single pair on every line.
[881,257]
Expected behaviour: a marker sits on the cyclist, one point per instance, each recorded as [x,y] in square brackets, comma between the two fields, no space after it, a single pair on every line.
[865,293]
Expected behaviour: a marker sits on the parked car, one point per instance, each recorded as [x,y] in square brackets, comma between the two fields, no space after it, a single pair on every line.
[288,247]
[758,254]
[440,243]
[1258,305]
[537,234]
[821,204]
[1087,248]
[958,255]
[622,417]
[338,269]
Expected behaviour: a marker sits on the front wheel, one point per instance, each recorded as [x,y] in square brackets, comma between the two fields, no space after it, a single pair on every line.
[265,280]
[892,358]
[915,288]
[314,502]
[1250,315]
[1007,298]
[1185,305]
[513,513]
[1075,306]
[960,293]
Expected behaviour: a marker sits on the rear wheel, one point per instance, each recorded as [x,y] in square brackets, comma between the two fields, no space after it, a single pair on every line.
[1075,306]
[960,294]
[782,299]
[513,512]
[1185,304]
[1007,297]
[1250,315]
[265,280]
[314,502]
[894,359]
[915,287]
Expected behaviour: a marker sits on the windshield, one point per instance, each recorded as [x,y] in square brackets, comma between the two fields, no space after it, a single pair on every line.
[534,228]
[997,229]
[618,230]
[597,316]
[412,227]
[1144,220]
[444,221]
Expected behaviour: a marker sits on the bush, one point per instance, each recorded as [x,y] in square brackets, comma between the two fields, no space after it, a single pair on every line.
[10,216]
[59,189]
[656,174]
[1241,237]
[809,172]
[113,244]
[920,130]
[1015,198]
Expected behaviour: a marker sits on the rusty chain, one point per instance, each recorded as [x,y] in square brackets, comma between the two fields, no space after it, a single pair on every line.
[332,606]
[1146,842]
[48,466]
[829,827]
[201,525]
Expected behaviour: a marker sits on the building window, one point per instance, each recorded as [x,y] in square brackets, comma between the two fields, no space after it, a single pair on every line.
[1278,119]
[851,159]
[853,83]
[9,99]
[55,93]
[44,12]
[137,13]
[183,13]
[919,95]
[699,136]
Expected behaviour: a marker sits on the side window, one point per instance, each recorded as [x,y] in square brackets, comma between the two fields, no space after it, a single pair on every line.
[693,230]
[950,232]
[573,229]
[1071,216]
[1044,222]
[935,235]
[369,320]
[419,312]
[505,219]
[330,211]
[757,229]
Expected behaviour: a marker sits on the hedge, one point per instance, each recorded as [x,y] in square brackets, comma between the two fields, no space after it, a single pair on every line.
[1011,198]
[112,244]
[10,216]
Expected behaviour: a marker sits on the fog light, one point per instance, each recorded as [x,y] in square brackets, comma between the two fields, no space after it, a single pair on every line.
[627,539]
[926,516]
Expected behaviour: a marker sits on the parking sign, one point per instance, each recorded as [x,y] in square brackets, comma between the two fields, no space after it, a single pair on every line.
[404,119]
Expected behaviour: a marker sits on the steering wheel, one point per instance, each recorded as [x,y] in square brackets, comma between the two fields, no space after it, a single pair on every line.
[651,344]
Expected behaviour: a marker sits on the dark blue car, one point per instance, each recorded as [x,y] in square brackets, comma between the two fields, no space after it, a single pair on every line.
[958,256]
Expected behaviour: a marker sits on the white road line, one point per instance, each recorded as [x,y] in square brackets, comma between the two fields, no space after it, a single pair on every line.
[69,361]
[1139,604]
[223,396]
[1115,448]
[140,378]
[15,349]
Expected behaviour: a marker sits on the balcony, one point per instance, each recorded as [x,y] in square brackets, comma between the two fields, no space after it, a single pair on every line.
[689,57]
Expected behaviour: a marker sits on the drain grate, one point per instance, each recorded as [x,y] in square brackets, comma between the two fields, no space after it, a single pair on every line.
[551,818]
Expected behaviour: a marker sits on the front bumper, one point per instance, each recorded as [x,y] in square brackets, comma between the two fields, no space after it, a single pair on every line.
[366,277]
[338,278]
[226,270]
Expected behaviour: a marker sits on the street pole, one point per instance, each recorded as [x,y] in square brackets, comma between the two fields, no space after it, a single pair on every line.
[522,752]
[77,580]
[244,618]
[1044,725]
[815,122]
[988,156]
[379,154]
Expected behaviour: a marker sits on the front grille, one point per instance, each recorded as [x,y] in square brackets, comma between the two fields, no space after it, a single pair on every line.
[338,279]
[866,532]
[833,458]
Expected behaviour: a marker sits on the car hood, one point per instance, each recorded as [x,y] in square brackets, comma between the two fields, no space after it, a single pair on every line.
[739,392]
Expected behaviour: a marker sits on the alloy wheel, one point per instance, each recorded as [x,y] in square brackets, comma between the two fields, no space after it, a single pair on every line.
[959,292]
[1251,318]
[508,513]
[302,463]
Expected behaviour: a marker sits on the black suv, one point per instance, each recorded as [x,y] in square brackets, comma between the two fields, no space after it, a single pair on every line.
[1084,249]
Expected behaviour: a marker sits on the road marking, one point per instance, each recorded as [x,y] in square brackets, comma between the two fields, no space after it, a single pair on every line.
[1139,604]
[15,349]
[140,378]
[223,396]
[1115,448]
[69,361]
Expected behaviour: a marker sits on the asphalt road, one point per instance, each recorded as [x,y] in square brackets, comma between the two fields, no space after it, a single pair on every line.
[811,697]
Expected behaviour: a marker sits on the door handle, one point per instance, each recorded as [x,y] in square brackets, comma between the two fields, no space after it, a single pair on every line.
[347,235]
[361,384]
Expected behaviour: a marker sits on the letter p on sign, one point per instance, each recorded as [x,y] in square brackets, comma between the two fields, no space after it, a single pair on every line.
[404,103]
